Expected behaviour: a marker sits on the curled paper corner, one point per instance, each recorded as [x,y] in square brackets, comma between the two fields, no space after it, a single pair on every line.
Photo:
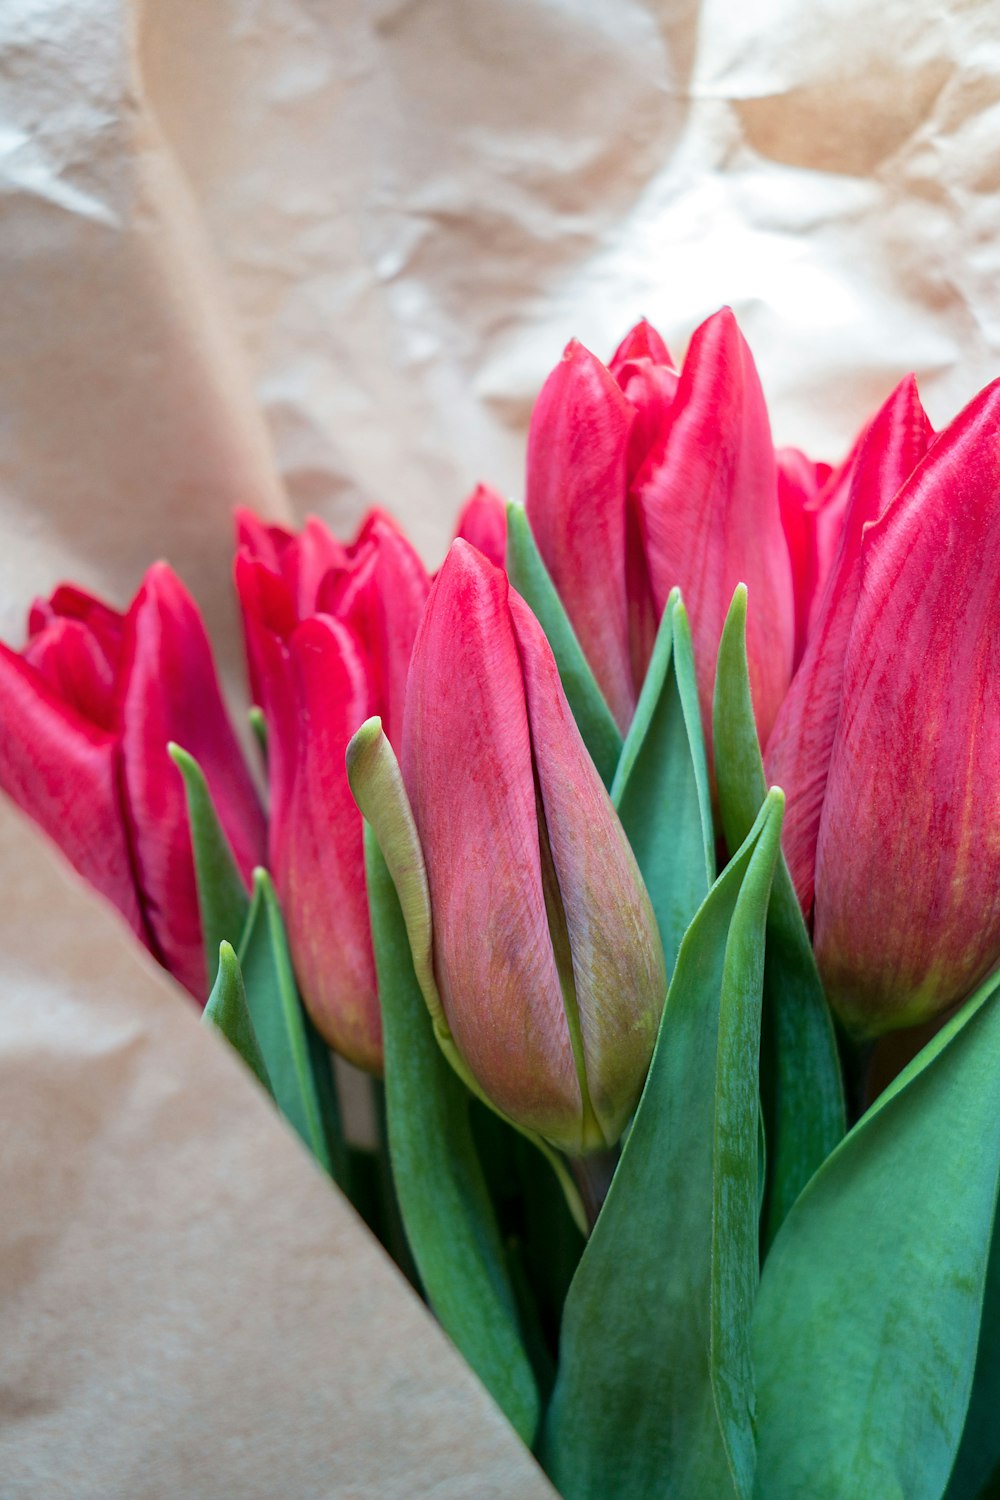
[189,1306]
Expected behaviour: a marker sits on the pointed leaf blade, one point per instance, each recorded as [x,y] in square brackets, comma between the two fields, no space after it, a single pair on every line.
[976,1475]
[223,902]
[802,1089]
[445,1204]
[660,789]
[227,1011]
[653,1394]
[296,1059]
[869,1309]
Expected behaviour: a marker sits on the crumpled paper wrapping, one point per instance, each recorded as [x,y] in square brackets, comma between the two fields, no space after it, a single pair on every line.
[187,1308]
[311,256]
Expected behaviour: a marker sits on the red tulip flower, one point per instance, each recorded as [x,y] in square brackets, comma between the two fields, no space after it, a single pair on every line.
[889,740]
[483,522]
[329,630]
[641,479]
[88,709]
[546,951]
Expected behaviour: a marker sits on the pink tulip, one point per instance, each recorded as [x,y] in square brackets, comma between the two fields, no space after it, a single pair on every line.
[640,479]
[546,952]
[329,630]
[88,709]
[888,742]
[483,522]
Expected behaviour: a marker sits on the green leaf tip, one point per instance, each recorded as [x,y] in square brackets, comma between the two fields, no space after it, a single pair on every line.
[660,788]
[223,903]
[228,1013]
[361,749]
[297,1060]
[258,723]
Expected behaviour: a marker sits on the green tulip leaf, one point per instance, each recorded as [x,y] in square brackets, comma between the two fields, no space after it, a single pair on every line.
[660,788]
[258,724]
[295,1056]
[654,1390]
[868,1315]
[227,1011]
[529,575]
[976,1475]
[801,1086]
[446,1208]
[223,902]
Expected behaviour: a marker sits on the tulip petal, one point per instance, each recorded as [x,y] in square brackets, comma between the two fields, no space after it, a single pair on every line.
[267,610]
[483,522]
[467,767]
[618,972]
[708,506]
[308,561]
[577,474]
[317,852]
[641,342]
[800,484]
[69,602]
[264,542]
[62,770]
[381,595]
[70,658]
[907,913]
[828,515]
[648,377]
[169,691]
[798,753]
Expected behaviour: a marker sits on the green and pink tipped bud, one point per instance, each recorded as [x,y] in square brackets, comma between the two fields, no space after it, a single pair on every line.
[545,956]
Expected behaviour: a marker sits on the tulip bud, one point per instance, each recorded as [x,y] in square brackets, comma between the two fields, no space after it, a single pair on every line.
[640,480]
[88,710]
[798,754]
[707,498]
[890,744]
[546,951]
[329,631]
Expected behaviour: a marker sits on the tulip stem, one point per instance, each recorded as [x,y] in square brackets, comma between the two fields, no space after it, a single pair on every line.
[565,1178]
[856,1057]
[592,1175]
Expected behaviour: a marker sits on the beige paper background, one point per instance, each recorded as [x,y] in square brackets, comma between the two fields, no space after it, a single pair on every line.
[312,254]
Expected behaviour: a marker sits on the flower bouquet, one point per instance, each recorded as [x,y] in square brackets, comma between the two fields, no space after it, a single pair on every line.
[646,860]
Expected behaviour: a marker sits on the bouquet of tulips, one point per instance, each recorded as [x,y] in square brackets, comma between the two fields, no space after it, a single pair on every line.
[689,1087]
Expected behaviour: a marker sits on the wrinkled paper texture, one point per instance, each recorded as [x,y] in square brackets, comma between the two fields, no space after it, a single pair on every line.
[309,257]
